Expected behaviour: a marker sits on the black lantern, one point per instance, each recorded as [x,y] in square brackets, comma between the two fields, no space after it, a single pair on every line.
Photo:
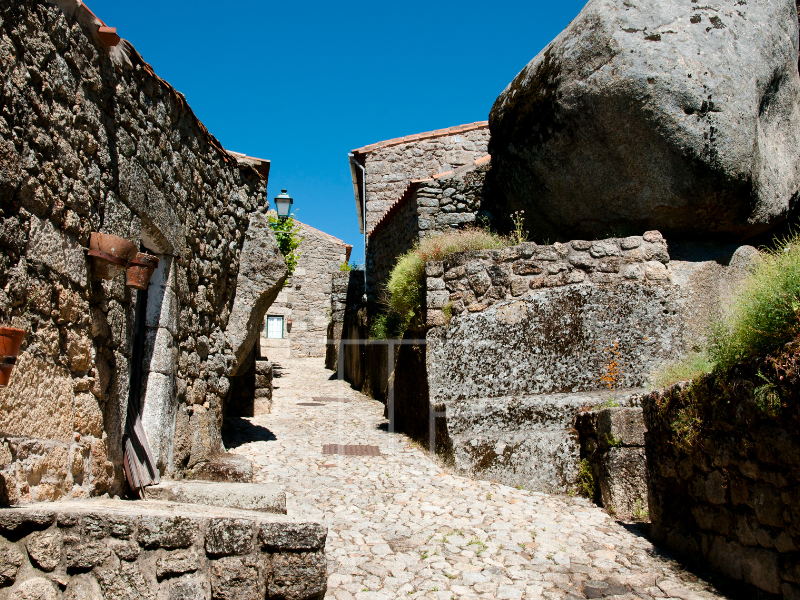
[283,204]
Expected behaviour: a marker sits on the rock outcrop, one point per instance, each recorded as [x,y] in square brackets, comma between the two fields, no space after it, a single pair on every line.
[669,115]
[262,271]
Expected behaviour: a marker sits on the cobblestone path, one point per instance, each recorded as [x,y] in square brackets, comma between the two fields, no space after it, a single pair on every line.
[400,526]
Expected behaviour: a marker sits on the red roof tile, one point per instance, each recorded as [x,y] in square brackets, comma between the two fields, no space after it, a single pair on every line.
[422,136]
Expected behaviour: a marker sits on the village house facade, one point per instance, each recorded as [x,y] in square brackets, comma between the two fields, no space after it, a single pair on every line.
[297,322]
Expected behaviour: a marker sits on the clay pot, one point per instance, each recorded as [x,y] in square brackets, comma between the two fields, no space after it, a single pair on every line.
[141,270]
[10,341]
[110,254]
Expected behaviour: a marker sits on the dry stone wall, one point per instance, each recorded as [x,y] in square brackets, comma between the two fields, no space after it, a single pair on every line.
[118,550]
[92,140]
[728,496]
[391,167]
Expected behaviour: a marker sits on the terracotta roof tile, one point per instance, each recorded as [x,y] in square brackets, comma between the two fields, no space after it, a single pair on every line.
[422,136]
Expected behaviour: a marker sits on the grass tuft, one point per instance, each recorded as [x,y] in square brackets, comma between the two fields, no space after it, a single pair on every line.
[690,366]
[766,311]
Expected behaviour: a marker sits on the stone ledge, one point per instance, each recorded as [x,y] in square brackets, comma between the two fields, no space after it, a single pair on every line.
[117,549]
[260,497]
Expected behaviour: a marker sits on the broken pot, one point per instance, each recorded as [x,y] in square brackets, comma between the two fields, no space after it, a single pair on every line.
[141,270]
[110,254]
[10,341]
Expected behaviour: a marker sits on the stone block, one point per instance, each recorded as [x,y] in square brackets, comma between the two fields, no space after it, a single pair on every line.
[36,588]
[127,581]
[166,532]
[623,482]
[10,562]
[159,352]
[246,496]
[88,416]
[234,578]
[125,550]
[189,588]
[227,537]
[224,467]
[177,563]
[83,587]
[298,576]
[44,549]
[292,536]
[58,250]
[85,555]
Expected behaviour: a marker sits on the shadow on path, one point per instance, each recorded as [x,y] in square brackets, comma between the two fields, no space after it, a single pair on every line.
[237,431]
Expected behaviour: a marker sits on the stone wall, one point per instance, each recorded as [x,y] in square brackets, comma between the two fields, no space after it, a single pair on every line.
[116,550]
[306,299]
[614,465]
[92,140]
[391,165]
[427,207]
[725,492]
[473,281]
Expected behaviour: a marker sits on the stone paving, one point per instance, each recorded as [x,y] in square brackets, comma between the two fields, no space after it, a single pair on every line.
[403,526]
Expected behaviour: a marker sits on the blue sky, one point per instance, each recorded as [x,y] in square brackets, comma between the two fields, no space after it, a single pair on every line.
[303,83]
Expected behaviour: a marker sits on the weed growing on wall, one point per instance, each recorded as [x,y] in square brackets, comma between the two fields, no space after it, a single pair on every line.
[585,481]
[404,288]
[289,239]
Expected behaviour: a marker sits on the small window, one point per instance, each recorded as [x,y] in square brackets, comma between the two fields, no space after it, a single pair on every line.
[274,328]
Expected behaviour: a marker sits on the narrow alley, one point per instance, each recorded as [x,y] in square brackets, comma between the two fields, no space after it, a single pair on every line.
[402,526]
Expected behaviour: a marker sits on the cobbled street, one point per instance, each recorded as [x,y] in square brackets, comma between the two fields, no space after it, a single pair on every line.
[402,526]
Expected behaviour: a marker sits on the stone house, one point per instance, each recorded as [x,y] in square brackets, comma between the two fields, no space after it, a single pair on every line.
[297,322]
[382,173]
[92,140]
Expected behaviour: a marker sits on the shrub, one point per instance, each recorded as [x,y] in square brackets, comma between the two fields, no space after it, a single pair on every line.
[288,239]
[766,310]
[405,283]
[345,267]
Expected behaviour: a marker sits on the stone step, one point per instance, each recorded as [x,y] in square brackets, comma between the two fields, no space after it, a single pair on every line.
[262,497]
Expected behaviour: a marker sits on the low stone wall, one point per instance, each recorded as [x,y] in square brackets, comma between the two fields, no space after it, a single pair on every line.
[448,201]
[116,549]
[613,456]
[727,494]
[473,281]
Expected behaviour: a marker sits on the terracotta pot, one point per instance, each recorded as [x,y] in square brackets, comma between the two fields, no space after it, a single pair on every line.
[141,270]
[10,341]
[5,374]
[110,254]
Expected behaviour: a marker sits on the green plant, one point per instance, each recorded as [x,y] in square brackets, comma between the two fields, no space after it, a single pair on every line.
[447,311]
[613,442]
[639,512]
[424,555]
[683,369]
[345,267]
[519,235]
[289,239]
[404,287]
[766,310]
[767,398]
[585,481]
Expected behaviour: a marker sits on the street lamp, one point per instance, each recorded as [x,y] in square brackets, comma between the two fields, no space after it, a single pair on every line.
[283,203]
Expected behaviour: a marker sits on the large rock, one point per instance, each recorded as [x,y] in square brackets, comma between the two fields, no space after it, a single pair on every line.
[262,271]
[670,115]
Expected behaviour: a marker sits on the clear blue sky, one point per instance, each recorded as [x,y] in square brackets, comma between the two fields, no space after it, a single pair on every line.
[303,83]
